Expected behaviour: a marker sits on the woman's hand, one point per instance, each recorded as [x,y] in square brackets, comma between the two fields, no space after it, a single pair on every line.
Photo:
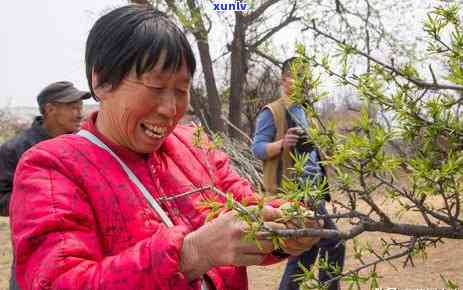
[297,246]
[220,243]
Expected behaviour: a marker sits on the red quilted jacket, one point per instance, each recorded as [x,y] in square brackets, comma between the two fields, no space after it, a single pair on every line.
[78,222]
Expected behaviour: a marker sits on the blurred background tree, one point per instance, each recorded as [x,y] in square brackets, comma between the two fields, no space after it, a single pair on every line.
[230,71]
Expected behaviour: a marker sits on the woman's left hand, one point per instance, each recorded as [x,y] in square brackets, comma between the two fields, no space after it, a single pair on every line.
[297,246]
[294,246]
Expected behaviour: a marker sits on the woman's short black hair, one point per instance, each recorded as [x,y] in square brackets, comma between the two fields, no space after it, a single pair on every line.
[134,37]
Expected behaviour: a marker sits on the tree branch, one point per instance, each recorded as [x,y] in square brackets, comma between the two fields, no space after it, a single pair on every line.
[141,2]
[374,263]
[275,29]
[174,196]
[417,82]
[368,200]
[322,233]
[268,57]
[237,129]
[249,18]
[373,226]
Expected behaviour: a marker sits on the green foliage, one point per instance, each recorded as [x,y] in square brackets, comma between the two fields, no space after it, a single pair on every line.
[198,137]
[407,159]
[213,205]
[449,284]
[345,51]
[427,121]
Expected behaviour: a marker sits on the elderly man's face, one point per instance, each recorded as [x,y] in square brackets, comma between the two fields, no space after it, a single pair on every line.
[65,116]
[143,111]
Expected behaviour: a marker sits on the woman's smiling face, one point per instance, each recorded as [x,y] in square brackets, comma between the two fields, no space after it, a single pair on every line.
[141,112]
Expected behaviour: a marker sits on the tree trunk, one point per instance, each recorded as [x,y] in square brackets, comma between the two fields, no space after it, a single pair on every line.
[215,122]
[215,107]
[237,74]
[201,35]
[200,108]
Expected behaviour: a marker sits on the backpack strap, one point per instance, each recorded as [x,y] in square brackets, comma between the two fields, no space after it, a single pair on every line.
[149,198]
[152,202]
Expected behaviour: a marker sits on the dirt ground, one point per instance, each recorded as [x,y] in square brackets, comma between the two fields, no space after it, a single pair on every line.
[446,259]
[5,253]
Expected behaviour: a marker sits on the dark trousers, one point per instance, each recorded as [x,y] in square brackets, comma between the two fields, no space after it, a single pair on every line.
[331,248]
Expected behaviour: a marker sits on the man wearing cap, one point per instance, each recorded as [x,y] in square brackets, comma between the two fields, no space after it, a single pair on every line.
[60,106]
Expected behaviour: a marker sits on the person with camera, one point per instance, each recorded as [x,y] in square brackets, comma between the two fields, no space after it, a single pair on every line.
[281,130]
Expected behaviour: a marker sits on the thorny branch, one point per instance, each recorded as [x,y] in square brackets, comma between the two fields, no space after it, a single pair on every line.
[290,18]
[249,18]
[368,225]
[407,252]
[420,83]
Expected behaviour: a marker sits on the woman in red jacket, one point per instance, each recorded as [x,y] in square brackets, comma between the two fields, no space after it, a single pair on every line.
[104,209]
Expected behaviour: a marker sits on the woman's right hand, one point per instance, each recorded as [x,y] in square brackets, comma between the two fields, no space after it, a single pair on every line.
[220,243]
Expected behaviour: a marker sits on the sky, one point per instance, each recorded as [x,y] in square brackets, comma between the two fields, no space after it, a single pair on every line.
[43,42]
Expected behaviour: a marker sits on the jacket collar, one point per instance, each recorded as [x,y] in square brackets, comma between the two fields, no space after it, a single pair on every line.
[121,151]
[38,129]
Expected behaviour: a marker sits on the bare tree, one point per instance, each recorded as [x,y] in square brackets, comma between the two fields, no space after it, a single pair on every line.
[192,19]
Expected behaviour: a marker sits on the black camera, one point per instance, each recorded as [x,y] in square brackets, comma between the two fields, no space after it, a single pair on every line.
[303,144]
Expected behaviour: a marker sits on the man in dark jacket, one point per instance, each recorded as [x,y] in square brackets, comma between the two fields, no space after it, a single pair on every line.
[60,106]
